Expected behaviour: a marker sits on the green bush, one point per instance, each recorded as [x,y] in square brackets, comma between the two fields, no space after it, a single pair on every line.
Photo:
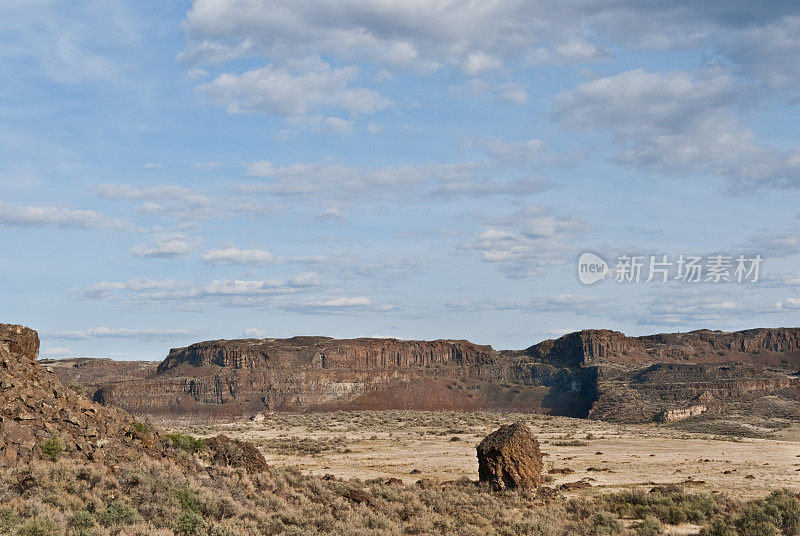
[118,513]
[719,527]
[189,524]
[8,519]
[52,447]
[784,508]
[188,499]
[650,526]
[187,442]
[605,523]
[37,526]
[83,524]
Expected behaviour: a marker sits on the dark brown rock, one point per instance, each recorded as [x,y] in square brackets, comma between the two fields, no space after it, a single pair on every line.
[509,458]
[234,453]
[35,406]
[20,340]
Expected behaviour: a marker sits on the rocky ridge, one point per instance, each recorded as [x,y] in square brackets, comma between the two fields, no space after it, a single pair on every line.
[596,373]
[37,408]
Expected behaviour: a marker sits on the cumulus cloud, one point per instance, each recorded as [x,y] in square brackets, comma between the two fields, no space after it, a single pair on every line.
[700,308]
[255,333]
[138,284]
[480,37]
[771,243]
[313,85]
[789,303]
[166,247]
[48,216]
[529,243]
[326,181]
[103,332]
[677,123]
[127,192]
[56,351]
[232,256]
[419,36]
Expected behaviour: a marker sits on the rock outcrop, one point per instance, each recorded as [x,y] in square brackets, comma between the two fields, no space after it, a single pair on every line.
[227,452]
[41,417]
[509,458]
[592,373]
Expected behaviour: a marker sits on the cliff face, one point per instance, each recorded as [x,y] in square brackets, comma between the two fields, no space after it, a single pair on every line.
[326,353]
[596,373]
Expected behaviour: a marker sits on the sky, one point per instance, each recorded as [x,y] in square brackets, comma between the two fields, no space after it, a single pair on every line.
[172,172]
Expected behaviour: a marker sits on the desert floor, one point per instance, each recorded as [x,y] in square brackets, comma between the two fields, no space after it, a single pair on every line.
[441,446]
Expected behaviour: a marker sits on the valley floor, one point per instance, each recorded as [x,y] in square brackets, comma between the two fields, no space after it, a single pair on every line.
[441,446]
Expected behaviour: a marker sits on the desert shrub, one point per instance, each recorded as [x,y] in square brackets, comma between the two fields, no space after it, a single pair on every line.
[8,519]
[140,427]
[37,526]
[569,443]
[719,527]
[784,508]
[188,499]
[755,520]
[673,507]
[52,447]
[187,442]
[83,524]
[189,524]
[605,523]
[650,526]
[118,513]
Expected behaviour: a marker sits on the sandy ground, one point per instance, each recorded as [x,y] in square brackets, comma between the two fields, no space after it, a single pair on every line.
[612,457]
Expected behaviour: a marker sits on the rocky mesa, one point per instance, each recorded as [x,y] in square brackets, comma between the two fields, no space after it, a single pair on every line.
[593,373]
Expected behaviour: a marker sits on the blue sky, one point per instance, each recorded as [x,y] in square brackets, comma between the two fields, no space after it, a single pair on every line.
[174,172]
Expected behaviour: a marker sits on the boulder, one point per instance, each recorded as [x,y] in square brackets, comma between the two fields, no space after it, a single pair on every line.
[509,458]
[19,340]
[234,453]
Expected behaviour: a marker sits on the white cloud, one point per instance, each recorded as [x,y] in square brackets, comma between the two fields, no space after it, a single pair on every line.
[327,182]
[118,192]
[480,62]
[416,35]
[153,165]
[231,256]
[103,289]
[770,243]
[56,351]
[332,213]
[103,332]
[313,85]
[166,247]
[255,333]
[561,303]
[576,51]
[517,187]
[678,123]
[207,166]
[49,216]
[789,303]
[508,92]
[543,241]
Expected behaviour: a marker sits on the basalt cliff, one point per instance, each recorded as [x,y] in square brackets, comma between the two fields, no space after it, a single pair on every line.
[594,373]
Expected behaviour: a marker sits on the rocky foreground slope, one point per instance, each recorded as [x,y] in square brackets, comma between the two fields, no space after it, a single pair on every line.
[593,373]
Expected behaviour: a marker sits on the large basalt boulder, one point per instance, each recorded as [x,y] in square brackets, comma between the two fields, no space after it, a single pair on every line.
[509,458]
[234,453]
[19,340]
